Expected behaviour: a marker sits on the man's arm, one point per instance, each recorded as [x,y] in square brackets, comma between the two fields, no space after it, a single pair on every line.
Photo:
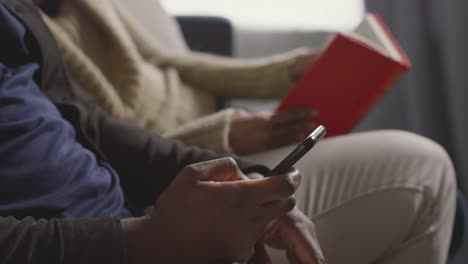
[146,162]
[61,241]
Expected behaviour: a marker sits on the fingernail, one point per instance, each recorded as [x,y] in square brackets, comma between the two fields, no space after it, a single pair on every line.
[294,179]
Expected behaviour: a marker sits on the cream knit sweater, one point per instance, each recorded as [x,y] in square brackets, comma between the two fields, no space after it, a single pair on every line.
[133,78]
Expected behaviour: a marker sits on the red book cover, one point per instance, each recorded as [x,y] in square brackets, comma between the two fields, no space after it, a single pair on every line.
[348,78]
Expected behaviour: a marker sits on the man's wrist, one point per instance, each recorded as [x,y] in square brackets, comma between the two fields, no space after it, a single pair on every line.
[135,230]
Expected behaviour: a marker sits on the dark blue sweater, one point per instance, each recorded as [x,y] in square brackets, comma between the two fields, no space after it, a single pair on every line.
[44,171]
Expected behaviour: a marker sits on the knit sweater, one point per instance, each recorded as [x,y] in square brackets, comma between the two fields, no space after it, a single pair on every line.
[171,93]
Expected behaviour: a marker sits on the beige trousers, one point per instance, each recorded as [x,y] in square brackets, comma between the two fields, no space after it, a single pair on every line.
[376,197]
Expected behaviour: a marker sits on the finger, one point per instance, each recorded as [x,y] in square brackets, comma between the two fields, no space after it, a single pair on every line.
[269,189]
[291,129]
[285,140]
[275,209]
[260,255]
[288,134]
[219,170]
[306,252]
[303,245]
[293,259]
[292,115]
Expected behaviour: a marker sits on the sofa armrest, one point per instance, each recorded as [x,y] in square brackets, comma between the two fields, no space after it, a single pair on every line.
[207,34]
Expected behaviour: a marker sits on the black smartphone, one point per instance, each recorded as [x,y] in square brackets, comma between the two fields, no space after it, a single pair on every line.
[299,151]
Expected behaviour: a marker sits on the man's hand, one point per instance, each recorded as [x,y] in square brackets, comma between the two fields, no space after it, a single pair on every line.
[294,233]
[302,63]
[209,214]
[256,132]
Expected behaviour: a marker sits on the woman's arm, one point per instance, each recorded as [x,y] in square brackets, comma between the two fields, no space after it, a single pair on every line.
[260,77]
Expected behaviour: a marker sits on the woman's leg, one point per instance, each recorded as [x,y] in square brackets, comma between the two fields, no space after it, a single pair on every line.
[377,197]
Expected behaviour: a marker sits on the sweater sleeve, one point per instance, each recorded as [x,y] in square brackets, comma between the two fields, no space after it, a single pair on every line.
[146,162]
[209,132]
[62,241]
[221,76]
[259,77]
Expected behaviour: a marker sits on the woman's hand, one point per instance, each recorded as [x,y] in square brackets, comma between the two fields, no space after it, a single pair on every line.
[256,132]
[302,63]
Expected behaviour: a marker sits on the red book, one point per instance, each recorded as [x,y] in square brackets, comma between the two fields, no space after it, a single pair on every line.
[353,72]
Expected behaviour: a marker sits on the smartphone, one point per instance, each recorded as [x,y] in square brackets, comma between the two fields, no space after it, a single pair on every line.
[299,151]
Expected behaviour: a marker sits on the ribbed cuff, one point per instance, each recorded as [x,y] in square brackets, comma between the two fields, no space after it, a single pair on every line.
[210,132]
[94,240]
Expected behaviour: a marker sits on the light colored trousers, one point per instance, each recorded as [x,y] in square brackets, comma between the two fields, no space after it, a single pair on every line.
[376,197]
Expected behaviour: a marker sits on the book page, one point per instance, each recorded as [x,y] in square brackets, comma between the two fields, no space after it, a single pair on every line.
[365,29]
[371,30]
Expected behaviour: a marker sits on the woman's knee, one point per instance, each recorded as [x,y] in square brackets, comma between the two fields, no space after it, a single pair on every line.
[419,152]
[418,162]
[383,158]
